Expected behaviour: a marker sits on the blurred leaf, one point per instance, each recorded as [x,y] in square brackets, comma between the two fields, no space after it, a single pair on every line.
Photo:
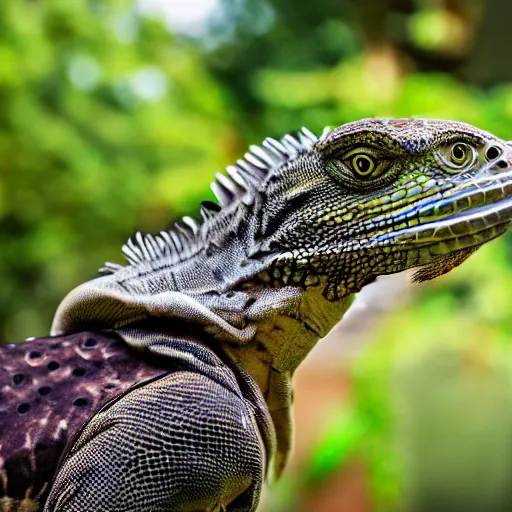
[341,440]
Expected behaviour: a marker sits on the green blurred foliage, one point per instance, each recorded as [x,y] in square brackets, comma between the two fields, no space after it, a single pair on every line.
[109,124]
[435,393]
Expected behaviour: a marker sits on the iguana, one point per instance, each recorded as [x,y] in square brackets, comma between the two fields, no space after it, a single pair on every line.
[166,384]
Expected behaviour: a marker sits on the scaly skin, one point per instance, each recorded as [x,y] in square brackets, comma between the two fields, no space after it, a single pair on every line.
[304,225]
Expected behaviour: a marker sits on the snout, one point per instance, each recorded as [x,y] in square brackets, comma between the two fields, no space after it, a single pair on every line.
[468,215]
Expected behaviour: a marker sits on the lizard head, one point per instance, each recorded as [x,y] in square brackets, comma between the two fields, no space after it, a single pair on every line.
[368,198]
[382,196]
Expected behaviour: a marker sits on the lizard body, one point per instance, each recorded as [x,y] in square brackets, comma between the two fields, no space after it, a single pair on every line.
[303,224]
[55,384]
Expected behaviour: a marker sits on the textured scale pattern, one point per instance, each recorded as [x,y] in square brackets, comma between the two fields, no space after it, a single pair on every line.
[78,397]
[182,442]
[48,388]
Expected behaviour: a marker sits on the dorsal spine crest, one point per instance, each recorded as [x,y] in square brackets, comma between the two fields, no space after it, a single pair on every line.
[239,185]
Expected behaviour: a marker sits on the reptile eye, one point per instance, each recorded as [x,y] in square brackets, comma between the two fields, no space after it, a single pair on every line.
[461,154]
[457,156]
[363,164]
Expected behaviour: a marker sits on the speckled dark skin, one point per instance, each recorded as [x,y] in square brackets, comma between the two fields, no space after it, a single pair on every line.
[53,390]
[48,388]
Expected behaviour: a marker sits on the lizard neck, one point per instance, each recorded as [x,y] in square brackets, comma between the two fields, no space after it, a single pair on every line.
[288,322]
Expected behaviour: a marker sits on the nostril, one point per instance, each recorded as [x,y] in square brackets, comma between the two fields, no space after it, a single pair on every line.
[502,164]
[492,153]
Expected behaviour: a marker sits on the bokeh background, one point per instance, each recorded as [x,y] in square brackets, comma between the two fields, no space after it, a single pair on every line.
[114,117]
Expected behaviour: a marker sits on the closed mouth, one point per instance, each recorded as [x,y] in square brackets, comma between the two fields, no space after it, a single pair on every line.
[467,216]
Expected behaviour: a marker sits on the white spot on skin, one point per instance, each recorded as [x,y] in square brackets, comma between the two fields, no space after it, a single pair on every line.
[3,476]
[61,427]
[28,441]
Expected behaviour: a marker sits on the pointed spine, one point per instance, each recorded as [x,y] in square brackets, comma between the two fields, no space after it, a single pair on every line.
[240,184]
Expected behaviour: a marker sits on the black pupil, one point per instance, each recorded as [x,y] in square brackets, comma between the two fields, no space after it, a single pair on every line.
[364,164]
[458,152]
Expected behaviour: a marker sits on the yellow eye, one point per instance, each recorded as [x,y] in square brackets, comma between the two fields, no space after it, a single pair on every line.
[363,164]
[461,154]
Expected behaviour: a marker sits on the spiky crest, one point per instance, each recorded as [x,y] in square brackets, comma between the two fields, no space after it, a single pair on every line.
[240,184]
